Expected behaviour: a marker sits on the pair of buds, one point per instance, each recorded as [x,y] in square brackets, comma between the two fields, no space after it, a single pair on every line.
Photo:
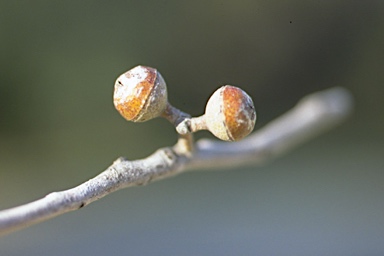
[141,94]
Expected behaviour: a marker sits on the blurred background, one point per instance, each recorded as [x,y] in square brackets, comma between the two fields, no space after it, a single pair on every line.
[58,126]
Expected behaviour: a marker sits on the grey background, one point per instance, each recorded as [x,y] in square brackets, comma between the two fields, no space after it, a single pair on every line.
[58,126]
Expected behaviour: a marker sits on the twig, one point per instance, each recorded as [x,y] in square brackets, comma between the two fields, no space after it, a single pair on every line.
[313,115]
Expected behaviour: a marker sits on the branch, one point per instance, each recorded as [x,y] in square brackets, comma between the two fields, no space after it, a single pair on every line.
[313,115]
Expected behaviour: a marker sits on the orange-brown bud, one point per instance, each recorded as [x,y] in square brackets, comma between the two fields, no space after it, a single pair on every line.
[140,94]
[230,114]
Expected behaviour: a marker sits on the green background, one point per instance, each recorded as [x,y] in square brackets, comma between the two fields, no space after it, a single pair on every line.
[58,126]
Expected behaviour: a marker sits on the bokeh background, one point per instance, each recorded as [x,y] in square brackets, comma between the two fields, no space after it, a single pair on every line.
[58,126]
